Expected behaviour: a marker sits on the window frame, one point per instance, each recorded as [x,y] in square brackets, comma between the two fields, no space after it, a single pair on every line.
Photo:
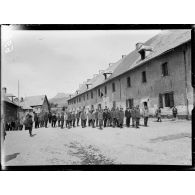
[128,82]
[113,87]
[164,69]
[144,79]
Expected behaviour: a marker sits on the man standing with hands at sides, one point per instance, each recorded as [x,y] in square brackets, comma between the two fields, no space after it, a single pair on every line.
[145,115]
[128,116]
[137,116]
[73,119]
[78,117]
[96,118]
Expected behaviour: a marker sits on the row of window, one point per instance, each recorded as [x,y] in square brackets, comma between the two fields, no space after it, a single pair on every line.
[164,68]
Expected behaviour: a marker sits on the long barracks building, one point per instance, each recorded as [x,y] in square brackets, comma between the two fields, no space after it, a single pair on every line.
[156,73]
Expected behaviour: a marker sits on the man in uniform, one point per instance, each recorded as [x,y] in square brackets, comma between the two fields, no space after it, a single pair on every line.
[128,116]
[78,117]
[137,116]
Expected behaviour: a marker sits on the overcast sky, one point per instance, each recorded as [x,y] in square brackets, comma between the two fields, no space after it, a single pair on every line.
[48,62]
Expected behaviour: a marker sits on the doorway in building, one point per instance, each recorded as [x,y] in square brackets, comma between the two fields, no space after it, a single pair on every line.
[145,104]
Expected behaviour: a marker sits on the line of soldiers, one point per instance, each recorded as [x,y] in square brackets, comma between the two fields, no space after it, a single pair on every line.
[107,118]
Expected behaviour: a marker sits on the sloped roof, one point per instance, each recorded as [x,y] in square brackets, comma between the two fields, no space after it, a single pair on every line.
[97,80]
[6,99]
[161,43]
[24,106]
[34,100]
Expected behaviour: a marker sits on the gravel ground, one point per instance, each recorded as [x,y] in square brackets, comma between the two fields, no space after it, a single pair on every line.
[168,142]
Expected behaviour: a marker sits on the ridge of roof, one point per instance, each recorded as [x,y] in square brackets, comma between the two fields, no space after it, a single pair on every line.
[161,43]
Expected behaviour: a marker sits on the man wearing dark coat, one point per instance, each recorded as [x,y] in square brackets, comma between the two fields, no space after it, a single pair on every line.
[128,116]
[29,124]
[105,117]
[117,116]
[53,120]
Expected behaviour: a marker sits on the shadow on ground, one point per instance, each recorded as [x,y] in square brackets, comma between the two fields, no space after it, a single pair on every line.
[11,156]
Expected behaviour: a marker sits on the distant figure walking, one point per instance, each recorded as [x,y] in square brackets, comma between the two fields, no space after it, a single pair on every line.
[174,111]
[29,123]
[158,114]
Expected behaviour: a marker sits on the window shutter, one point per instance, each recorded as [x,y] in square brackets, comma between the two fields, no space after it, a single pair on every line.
[160,101]
[171,99]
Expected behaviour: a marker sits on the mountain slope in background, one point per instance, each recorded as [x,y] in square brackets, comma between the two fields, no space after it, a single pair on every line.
[60,99]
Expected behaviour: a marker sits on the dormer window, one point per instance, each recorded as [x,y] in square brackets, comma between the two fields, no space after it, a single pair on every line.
[143,50]
[107,74]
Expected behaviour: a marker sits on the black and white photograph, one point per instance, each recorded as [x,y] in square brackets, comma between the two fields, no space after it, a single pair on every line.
[76,95]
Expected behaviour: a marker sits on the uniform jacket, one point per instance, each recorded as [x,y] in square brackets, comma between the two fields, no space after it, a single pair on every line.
[137,113]
[133,113]
[127,113]
[83,116]
[89,115]
[121,115]
[100,115]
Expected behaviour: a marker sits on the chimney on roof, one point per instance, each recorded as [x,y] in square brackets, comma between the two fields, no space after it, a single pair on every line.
[143,49]
[4,90]
[123,56]
[77,92]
